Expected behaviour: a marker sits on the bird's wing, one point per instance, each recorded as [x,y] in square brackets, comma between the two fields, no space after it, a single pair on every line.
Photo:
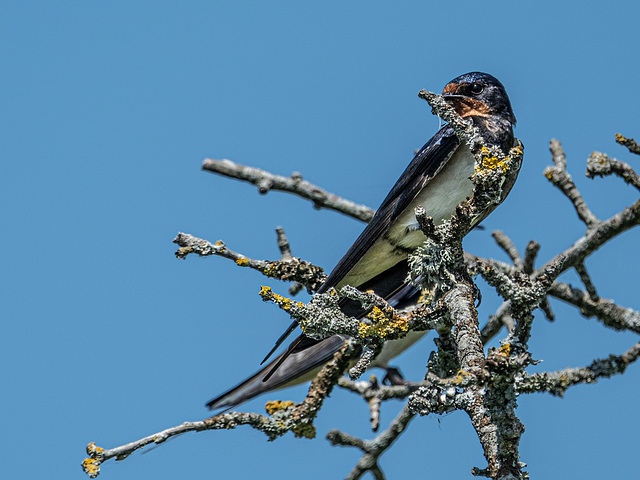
[300,363]
[429,160]
[307,358]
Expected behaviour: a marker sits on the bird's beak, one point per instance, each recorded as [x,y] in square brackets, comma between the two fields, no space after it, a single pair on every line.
[451,97]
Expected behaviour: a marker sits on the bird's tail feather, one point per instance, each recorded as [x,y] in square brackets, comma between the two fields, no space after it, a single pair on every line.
[301,365]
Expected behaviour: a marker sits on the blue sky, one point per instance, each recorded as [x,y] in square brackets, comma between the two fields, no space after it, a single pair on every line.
[108,109]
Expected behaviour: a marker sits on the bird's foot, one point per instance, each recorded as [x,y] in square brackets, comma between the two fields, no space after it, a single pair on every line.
[393,377]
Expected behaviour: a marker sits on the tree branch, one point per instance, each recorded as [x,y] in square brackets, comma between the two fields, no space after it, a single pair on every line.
[630,143]
[288,269]
[510,249]
[283,417]
[266,181]
[557,383]
[372,448]
[560,178]
[612,315]
[600,164]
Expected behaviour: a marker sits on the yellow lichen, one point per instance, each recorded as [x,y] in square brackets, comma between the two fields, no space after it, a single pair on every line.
[460,377]
[284,302]
[505,350]
[491,162]
[242,261]
[91,467]
[264,291]
[93,449]
[277,405]
[383,324]
[305,430]
[620,138]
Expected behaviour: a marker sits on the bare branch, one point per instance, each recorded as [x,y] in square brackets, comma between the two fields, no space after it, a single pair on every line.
[525,292]
[99,455]
[530,254]
[295,184]
[285,252]
[374,394]
[440,263]
[372,448]
[373,389]
[557,383]
[369,352]
[600,164]
[283,417]
[460,302]
[581,249]
[502,318]
[287,270]
[510,249]
[559,176]
[586,280]
[630,143]
[612,315]
[545,306]
[283,244]
[597,236]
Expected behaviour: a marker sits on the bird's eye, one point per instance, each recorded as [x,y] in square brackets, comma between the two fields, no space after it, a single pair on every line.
[476,89]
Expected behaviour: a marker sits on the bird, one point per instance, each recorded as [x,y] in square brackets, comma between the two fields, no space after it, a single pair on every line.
[438,179]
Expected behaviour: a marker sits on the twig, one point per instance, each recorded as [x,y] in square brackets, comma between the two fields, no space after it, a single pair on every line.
[374,394]
[630,143]
[283,244]
[465,130]
[557,383]
[510,249]
[545,306]
[372,448]
[600,164]
[99,455]
[609,313]
[285,252]
[530,254]
[288,270]
[502,318]
[597,236]
[373,389]
[525,293]
[367,356]
[586,280]
[190,244]
[559,176]
[284,417]
[295,184]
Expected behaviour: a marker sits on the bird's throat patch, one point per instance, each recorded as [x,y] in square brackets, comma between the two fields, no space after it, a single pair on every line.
[466,107]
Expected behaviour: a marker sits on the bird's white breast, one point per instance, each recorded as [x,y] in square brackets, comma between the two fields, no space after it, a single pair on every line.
[450,187]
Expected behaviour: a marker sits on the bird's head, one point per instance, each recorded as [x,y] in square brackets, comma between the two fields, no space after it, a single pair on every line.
[479,94]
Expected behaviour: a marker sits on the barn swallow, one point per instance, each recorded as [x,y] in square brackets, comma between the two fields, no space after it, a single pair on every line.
[438,178]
